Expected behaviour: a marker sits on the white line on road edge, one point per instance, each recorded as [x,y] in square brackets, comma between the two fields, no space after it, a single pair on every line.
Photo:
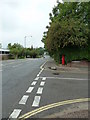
[43,65]
[42,83]
[40,72]
[39,91]
[24,99]
[36,101]
[29,89]
[37,75]
[34,83]
[15,113]
[36,78]
[44,78]
[64,78]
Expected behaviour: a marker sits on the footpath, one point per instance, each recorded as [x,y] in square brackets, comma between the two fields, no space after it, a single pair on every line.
[77,110]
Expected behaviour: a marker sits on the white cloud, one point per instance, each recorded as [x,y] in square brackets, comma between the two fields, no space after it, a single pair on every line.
[25,17]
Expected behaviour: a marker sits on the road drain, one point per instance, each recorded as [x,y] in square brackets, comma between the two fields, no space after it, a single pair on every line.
[55,73]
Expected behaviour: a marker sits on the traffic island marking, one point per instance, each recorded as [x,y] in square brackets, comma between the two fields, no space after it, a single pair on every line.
[50,106]
[15,113]
[36,101]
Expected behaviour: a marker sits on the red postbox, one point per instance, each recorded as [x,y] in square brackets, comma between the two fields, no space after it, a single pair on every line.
[63,60]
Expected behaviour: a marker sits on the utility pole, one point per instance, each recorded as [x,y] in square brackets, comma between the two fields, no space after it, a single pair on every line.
[25,43]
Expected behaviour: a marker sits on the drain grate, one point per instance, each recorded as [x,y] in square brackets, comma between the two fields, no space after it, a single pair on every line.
[56,73]
[52,68]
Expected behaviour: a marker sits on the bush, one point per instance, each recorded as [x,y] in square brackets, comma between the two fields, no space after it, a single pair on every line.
[73,53]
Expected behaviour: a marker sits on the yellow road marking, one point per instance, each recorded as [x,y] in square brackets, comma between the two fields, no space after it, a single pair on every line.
[29,114]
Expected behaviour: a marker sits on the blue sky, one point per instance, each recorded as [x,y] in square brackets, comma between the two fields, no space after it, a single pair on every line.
[20,18]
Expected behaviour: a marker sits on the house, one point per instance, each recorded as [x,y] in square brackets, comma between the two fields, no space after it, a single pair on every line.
[4,54]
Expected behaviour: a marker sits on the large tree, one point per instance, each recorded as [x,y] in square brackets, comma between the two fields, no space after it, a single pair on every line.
[68,27]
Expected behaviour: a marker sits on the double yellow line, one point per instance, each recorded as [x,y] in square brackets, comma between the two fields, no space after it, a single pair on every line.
[41,109]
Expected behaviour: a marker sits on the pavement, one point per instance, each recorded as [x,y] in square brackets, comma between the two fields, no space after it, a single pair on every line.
[76,110]
[65,89]
[32,89]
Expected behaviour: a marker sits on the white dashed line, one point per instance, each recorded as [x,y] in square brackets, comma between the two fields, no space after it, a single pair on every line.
[29,89]
[15,113]
[39,91]
[42,83]
[36,78]
[44,78]
[36,101]
[24,99]
[33,83]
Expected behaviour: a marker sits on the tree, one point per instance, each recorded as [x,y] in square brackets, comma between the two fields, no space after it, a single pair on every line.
[16,49]
[68,28]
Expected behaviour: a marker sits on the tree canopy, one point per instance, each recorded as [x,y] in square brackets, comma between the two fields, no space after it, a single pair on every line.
[68,27]
[18,51]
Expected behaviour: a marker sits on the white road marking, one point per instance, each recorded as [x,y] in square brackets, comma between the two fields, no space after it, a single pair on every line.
[39,91]
[41,67]
[44,78]
[42,83]
[64,78]
[15,113]
[40,72]
[36,101]
[34,83]
[23,100]
[36,78]
[29,89]
[37,75]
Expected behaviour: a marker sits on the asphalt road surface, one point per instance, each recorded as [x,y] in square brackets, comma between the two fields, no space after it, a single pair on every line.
[26,87]
[17,76]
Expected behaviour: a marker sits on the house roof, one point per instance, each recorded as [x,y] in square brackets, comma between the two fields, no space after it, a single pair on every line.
[2,49]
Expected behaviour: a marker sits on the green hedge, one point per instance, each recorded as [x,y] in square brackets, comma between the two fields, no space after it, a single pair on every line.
[71,54]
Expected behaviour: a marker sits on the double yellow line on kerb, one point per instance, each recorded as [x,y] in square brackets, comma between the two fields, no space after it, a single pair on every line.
[41,109]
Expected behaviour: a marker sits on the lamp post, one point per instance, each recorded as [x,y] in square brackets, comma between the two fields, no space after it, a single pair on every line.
[25,43]
[25,40]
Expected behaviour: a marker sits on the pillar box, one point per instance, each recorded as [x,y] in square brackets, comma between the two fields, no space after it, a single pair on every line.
[63,59]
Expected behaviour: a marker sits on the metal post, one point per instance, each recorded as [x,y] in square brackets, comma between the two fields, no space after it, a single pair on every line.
[25,43]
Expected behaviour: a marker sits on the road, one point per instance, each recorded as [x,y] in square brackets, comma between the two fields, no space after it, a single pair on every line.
[26,87]
[17,75]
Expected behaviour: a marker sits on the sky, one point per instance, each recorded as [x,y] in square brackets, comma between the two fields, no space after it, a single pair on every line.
[20,18]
